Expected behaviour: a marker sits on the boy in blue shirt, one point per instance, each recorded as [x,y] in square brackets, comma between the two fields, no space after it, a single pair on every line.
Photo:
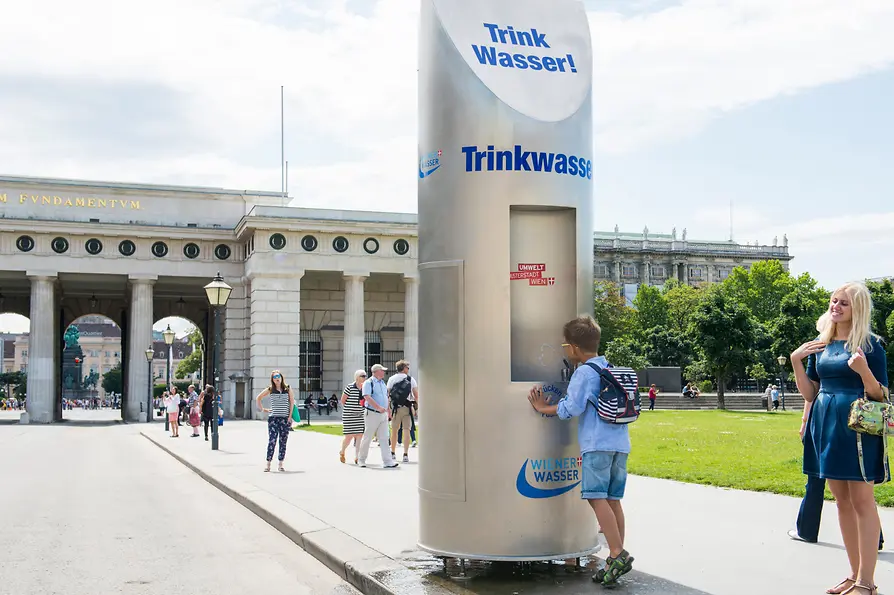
[604,446]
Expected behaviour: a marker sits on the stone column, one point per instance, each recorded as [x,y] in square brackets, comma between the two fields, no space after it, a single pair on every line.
[354,345]
[275,331]
[139,339]
[677,271]
[234,339]
[617,272]
[411,322]
[646,276]
[42,346]
[685,272]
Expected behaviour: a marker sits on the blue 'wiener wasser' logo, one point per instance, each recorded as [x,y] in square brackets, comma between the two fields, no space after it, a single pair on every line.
[429,163]
[548,478]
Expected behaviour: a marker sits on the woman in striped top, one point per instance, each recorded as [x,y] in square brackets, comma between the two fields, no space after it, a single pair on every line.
[281,402]
[352,415]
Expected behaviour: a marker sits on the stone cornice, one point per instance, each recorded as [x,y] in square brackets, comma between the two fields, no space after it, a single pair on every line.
[72,228]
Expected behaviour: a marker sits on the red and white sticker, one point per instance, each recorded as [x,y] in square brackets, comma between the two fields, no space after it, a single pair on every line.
[533,273]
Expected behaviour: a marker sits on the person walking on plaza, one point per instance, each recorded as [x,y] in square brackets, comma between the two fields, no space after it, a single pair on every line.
[376,417]
[810,513]
[403,394]
[172,408]
[846,362]
[774,394]
[653,392]
[281,402]
[206,404]
[604,446]
[352,415]
[192,401]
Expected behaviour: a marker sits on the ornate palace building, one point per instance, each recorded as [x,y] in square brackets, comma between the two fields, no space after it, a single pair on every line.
[634,259]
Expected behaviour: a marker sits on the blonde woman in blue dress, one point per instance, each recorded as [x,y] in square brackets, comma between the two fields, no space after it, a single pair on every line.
[846,362]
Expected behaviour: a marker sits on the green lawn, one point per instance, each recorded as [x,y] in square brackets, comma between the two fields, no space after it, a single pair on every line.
[756,451]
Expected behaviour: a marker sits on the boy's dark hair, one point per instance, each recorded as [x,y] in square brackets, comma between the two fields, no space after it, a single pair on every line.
[583,332]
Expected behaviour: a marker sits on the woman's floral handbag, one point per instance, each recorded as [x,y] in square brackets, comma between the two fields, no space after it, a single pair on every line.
[875,418]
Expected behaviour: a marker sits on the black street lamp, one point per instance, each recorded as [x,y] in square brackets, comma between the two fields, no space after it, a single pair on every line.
[218,293]
[150,353]
[781,361]
[169,335]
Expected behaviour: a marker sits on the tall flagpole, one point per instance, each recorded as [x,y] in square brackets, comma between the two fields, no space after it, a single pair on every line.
[282,137]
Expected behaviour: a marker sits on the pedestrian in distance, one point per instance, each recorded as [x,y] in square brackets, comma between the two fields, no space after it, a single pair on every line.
[845,363]
[352,416]
[403,394]
[192,401]
[281,402]
[377,414]
[604,446]
[206,404]
[172,407]
[653,393]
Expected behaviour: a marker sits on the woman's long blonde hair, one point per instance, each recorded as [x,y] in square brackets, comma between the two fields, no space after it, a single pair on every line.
[861,319]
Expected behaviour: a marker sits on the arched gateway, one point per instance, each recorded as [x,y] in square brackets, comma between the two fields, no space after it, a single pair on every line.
[316,293]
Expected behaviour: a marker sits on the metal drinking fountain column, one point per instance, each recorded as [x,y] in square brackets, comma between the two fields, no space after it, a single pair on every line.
[505,259]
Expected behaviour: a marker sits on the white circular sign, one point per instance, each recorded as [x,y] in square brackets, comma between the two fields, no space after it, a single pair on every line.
[535,55]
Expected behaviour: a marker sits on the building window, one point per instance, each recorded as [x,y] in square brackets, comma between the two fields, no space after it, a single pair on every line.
[724,273]
[628,270]
[107,354]
[277,241]
[25,243]
[601,270]
[659,271]
[310,364]
[309,243]
[24,353]
[159,249]
[93,246]
[696,273]
[222,252]
[127,248]
[372,351]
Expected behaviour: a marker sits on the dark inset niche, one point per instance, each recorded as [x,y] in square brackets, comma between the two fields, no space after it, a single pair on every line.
[401,246]
[25,243]
[127,248]
[277,241]
[309,243]
[59,245]
[93,246]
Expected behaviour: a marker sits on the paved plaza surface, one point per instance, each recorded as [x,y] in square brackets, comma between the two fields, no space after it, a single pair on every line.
[97,509]
[686,538]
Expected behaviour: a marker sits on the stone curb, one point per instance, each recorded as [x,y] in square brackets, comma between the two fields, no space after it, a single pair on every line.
[368,570]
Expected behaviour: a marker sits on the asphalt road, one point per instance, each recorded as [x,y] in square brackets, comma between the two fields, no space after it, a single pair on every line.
[98,509]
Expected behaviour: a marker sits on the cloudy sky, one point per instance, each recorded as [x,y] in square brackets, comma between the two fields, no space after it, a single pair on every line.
[778,107]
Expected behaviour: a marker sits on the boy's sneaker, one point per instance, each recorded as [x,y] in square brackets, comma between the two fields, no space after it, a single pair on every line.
[614,569]
[414,444]
[406,459]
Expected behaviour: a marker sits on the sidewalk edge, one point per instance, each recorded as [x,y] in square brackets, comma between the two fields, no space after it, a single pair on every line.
[348,569]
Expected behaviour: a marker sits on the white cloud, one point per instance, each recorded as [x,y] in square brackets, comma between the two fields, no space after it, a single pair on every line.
[351,82]
[666,73]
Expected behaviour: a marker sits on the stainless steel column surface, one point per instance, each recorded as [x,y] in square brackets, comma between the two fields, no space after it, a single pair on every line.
[505,259]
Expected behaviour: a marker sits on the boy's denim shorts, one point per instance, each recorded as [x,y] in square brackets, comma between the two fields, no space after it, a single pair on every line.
[603,475]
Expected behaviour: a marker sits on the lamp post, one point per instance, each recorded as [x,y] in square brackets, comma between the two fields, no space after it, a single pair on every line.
[781,361]
[169,335]
[150,353]
[218,293]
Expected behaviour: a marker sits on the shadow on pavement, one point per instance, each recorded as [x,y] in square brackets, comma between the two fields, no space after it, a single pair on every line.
[505,578]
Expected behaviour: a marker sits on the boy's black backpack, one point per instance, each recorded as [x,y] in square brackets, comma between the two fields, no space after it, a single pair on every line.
[618,401]
[400,392]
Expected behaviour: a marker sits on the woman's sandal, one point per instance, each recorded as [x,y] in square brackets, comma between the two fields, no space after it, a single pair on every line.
[267,468]
[861,589]
[281,468]
[341,457]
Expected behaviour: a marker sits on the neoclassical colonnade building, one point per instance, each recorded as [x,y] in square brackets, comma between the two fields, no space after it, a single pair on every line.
[317,293]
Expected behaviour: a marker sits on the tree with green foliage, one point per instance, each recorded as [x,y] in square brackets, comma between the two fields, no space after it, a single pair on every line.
[112,380]
[681,303]
[666,346]
[611,312]
[726,334]
[882,310]
[760,288]
[650,310]
[625,351]
[192,363]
